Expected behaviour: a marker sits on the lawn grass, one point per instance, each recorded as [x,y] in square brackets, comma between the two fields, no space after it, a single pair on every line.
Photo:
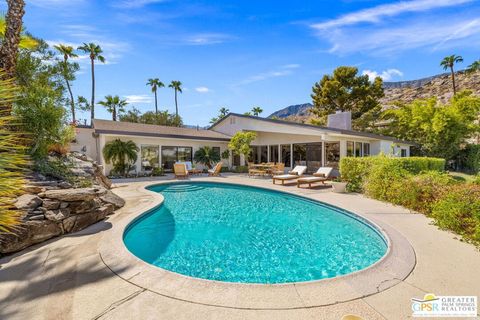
[461,176]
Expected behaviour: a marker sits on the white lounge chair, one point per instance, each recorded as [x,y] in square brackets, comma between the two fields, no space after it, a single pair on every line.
[296,173]
[322,175]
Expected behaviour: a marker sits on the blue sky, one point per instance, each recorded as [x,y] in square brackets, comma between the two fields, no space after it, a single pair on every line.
[241,54]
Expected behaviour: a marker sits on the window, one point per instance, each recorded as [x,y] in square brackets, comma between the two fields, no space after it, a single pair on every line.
[350,148]
[273,153]
[403,153]
[286,153]
[358,149]
[366,149]
[299,155]
[332,154]
[170,155]
[216,150]
[150,155]
[263,154]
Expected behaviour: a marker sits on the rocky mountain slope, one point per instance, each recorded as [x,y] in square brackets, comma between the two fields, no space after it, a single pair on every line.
[439,86]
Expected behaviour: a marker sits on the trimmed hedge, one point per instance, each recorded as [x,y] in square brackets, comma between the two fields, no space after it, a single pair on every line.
[414,185]
[356,170]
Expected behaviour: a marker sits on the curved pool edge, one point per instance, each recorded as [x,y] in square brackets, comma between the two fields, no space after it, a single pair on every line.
[397,263]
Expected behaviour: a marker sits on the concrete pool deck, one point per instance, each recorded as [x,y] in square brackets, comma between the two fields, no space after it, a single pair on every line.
[70,277]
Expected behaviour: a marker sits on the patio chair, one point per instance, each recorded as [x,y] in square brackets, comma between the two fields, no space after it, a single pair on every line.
[278,169]
[216,170]
[322,175]
[180,170]
[296,173]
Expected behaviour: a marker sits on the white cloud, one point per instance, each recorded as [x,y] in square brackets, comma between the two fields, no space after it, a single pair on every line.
[138,99]
[281,71]
[202,89]
[389,40]
[386,75]
[201,39]
[391,28]
[375,14]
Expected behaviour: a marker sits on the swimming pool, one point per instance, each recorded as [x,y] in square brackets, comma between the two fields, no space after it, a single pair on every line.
[243,234]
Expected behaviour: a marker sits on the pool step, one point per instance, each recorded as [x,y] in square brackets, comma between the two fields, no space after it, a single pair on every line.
[182,188]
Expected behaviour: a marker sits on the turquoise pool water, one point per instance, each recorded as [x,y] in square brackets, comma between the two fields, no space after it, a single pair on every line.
[243,234]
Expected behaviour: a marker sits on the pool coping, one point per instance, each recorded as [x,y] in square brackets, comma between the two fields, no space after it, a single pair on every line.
[397,263]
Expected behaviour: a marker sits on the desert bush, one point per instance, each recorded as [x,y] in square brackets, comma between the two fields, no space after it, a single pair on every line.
[458,209]
[357,170]
[425,189]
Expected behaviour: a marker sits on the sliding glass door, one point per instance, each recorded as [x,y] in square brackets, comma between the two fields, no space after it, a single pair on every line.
[286,155]
[170,155]
[274,154]
[308,154]
[332,154]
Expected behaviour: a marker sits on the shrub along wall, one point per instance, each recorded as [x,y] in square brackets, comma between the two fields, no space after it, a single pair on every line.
[418,184]
[355,170]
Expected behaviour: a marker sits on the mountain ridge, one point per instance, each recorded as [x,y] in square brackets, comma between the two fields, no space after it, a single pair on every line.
[439,85]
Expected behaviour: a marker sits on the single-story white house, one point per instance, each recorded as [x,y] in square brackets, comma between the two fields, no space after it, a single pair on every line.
[277,141]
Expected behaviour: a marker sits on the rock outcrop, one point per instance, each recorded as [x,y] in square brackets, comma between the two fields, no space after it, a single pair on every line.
[52,208]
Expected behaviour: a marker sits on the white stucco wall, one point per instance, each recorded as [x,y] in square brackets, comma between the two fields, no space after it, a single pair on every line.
[84,140]
[139,141]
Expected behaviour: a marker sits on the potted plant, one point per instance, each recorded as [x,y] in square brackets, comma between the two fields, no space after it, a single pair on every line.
[339,185]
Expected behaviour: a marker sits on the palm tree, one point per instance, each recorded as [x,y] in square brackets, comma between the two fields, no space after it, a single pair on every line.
[121,154]
[12,36]
[67,52]
[114,105]
[95,53]
[475,66]
[256,111]
[155,84]
[449,63]
[177,86]
[223,112]
[206,156]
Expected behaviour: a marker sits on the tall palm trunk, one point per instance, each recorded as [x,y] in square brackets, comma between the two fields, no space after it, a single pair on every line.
[176,104]
[453,81]
[92,105]
[156,106]
[114,114]
[9,49]
[72,101]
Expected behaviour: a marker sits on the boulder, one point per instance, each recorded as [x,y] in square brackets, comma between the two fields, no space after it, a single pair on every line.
[57,215]
[28,202]
[112,198]
[51,204]
[80,194]
[80,207]
[104,211]
[33,189]
[32,232]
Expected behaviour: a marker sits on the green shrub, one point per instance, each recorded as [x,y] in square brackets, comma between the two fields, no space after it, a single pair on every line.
[469,158]
[356,170]
[459,210]
[425,189]
[385,182]
[476,180]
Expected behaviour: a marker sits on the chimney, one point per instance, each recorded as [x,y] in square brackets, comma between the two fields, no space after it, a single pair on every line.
[340,120]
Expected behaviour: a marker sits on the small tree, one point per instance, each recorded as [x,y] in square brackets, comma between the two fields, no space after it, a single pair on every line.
[240,143]
[256,111]
[122,154]
[345,90]
[440,130]
[206,156]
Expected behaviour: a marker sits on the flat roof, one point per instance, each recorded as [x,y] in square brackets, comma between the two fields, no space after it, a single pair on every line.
[151,130]
[312,126]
